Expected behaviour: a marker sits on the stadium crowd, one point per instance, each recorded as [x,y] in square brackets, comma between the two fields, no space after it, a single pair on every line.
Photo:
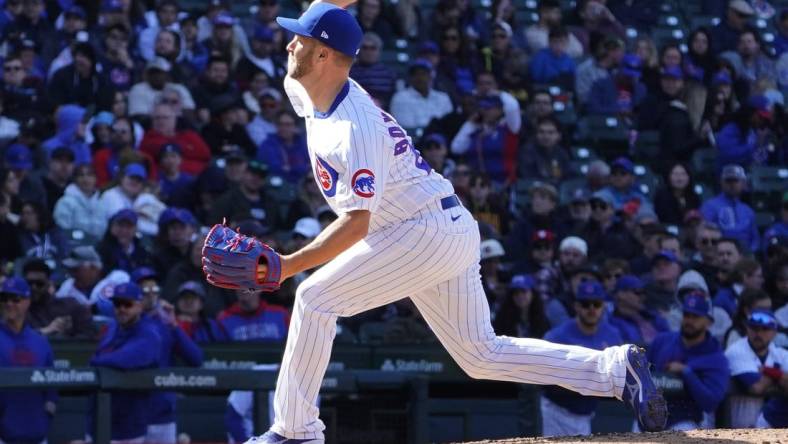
[626,159]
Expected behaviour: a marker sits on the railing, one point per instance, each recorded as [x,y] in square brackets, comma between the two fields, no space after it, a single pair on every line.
[100,381]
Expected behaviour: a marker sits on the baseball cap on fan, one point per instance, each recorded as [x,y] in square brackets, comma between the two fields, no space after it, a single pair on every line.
[329,24]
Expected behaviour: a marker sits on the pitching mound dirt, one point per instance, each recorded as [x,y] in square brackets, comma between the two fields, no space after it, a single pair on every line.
[717,436]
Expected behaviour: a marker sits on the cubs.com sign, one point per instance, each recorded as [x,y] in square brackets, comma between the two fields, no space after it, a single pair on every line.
[59,376]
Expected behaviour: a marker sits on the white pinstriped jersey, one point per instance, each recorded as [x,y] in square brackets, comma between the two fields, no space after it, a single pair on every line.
[363,159]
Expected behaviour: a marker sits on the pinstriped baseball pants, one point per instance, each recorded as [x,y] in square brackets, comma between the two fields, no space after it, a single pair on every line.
[432,258]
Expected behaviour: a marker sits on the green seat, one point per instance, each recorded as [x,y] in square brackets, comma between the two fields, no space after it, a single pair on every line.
[647,181]
[646,146]
[704,163]
[769,178]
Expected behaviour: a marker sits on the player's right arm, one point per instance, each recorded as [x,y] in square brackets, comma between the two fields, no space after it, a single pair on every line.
[341,234]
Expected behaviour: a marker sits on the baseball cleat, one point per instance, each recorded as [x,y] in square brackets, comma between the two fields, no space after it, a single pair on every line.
[641,394]
[270,437]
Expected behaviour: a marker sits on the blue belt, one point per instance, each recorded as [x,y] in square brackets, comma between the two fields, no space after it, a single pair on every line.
[450,202]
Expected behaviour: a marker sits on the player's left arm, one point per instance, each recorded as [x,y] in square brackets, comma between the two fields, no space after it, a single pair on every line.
[341,234]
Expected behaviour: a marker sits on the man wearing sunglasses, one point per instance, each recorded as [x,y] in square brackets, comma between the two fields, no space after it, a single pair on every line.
[636,323]
[757,365]
[735,218]
[24,415]
[696,358]
[565,412]
[131,342]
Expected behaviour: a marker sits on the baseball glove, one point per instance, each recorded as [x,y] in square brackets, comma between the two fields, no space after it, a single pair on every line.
[231,259]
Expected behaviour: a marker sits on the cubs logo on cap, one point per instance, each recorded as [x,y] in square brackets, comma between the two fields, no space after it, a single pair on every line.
[363,183]
[326,177]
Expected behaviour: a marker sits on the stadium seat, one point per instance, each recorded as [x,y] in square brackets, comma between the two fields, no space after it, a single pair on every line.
[704,164]
[764,220]
[647,181]
[568,187]
[646,147]
[608,135]
[582,153]
[768,178]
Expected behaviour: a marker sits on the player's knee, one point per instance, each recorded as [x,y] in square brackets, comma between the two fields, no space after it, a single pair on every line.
[310,297]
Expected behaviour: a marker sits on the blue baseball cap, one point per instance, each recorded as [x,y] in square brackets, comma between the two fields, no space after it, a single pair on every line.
[19,157]
[328,24]
[522,282]
[722,78]
[664,255]
[135,170]
[191,287]
[420,64]
[15,286]
[762,318]
[590,291]
[141,273]
[263,33]
[624,164]
[631,65]
[126,214]
[223,19]
[673,72]
[435,138]
[697,303]
[629,282]
[77,11]
[104,118]
[175,214]
[128,291]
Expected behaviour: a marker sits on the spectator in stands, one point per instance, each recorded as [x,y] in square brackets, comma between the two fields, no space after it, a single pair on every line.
[621,94]
[80,208]
[557,285]
[39,237]
[699,56]
[173,183]
[596,19]
[373,17]
[748,301]
[491,252]
[120,248]
[725,36]
[130,343]
[166,17]
[156,77]
[111,160]
[636,323]
[177,229]
[285,152]
[553,64]
[458,62]
[70,133]
[174,342]
[670,242]
[598,175]
[248,200]
[541,253]
[79,82]
[190,269]
[494,143]
[545,158]
[606,57]
[747,274]
[579,208]
[677,196]
[665,271]
[23,97]
[227,128]
[116,62]
[191,317]
[522,312]
[19,160]
[735,218]
[565,412]
[10,248]
[540,214]
[549,18]
[416,105]
[487,205]
[434,149]
[606,232]
[707,236]
[58,175]
[269,100]
[196,154]
[24,414]
[622,185]
[507,62]
[130,193]
[62,317]
[611,271]
[373,75]
[748,60]
[254,319]
[695,357]
[756,365]
[540,106]
[261,56]
[215,82]
[781,40]
[740,141]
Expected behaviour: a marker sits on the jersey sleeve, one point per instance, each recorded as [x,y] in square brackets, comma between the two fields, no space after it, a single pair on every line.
[739,360]
[361,185]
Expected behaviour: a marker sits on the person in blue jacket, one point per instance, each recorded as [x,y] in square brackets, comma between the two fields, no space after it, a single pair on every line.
[553,64]
[739,141]
[565,412]
[131,342]
[636,323]
[24,414]
[174,343]
[735,218]
[695,357]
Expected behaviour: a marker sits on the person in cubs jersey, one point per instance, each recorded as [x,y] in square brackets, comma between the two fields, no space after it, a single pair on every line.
[401,232]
